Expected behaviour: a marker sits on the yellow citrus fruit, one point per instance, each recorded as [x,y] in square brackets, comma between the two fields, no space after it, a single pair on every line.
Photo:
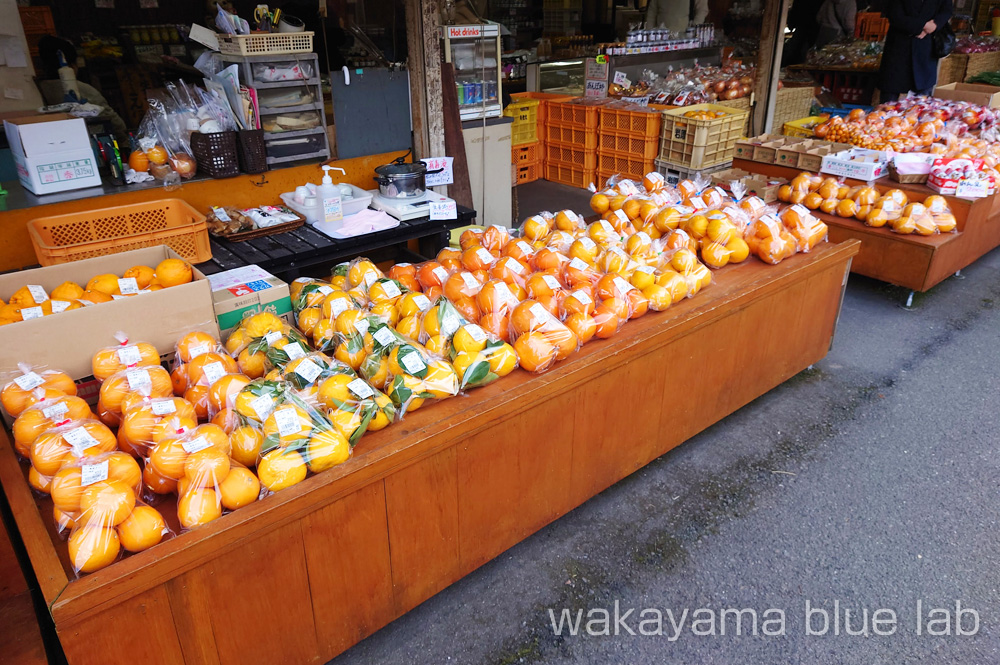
[326,449]
[106,284]
[173,272]
[381,419]
[206,468]
[246,443]
[503,360]
[281,468]
[198,506]
[239,488]
[106,503]
[65,489]
[470,338]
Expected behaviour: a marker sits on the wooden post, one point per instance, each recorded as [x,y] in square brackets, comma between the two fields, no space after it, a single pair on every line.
[772,42]
[424,64]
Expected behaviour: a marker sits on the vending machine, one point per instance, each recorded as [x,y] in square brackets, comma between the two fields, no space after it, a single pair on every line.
[474,50]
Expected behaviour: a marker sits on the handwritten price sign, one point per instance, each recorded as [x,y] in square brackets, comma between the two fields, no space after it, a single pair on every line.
[445,177]
[444,210]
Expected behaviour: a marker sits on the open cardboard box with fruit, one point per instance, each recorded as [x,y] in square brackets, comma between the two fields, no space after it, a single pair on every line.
[67,340]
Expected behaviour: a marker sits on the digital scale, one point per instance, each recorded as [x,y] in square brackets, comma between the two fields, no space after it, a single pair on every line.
[405,209]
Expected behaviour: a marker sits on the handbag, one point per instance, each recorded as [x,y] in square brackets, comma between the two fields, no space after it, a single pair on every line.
[943,41]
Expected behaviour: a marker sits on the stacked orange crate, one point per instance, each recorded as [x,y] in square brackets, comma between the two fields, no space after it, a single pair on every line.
[570,143]
[627,142]
[528,160]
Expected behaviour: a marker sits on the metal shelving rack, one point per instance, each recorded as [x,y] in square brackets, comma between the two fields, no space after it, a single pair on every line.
[247,78]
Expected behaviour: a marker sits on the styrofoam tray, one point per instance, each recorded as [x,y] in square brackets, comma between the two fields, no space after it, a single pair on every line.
[361,200]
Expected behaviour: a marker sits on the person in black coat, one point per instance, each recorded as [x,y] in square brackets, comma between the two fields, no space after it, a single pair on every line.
[907,63]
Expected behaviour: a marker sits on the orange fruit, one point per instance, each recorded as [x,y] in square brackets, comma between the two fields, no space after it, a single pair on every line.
[67,291]
[156,483]
[106,284]
[847,208]
[246,443]
[96,296]
[16,399]
[65,489]
[497,324]
[167,458]
[106,503]
[326,449]
[195,344]
[548,259]
[223,392]
[281,468]
[142,529]
[198,506]
[110,360]
[137,161]
[582,325]
[206,468]
[173,272]
[239,489]
[93,547]
[143,275]
[62,520]
[534,351]
[39,482]
[196,368]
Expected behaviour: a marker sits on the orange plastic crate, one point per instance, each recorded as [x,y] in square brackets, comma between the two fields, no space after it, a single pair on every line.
[527,173]
[635,168]
[574,176]
[628,145]
[529,153]
[635,123]
[571,156]
[571,136]
[565,114]
[82,235]
[543,99]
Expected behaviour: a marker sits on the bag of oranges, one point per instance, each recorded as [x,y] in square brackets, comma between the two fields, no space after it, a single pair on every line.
[20,388]
[413,373]
[939,210]
[44,414]
[770,241]
[354,406]
[143,419]
[479,358]
[135,384]
[124,355]
[807,230]
[540,338]
[537,226]
[98,498]
[66,441]
[679,270]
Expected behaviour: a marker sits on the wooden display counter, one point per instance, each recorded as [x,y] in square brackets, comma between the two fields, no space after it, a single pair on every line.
[303,575]
[915,262]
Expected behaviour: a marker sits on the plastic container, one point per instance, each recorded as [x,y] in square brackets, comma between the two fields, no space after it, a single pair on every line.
[529,153]
[700,144]
[361,200]
[633,123]
[524,129]
[629,145]
[575,176]
[543,101]
[574,137]
[802,128]
[674,174]
[82,235]
[524,173]
[217,154]
[566,114]
[266,43]
[252,152]
[571,156]
[629,167]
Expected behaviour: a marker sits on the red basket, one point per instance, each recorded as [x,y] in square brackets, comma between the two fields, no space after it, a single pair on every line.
[575,176]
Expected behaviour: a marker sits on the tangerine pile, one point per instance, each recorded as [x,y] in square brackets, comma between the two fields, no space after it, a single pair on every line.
[33,301]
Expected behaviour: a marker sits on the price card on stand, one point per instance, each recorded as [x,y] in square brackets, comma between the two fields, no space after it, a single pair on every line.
[596,89]
[447,174]
[622,79]
[444,210]
[596,69]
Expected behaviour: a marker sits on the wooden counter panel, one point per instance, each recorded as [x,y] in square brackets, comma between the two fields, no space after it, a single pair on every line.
[306,573]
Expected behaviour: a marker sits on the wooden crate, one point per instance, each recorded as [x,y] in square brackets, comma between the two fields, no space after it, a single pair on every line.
[303,575]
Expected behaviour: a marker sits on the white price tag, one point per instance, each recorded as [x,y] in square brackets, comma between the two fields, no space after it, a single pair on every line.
[504,292]
[93,473]
[621,78]
[447,174]
[163,407]
[128,286]
[138,380]
[525,248]
[214,371]
[801,210]
[596,89]
[622,217]
[622,285]
[644,237]
[540,312]
[648,270]
[287,420]
[29,381]
[607,226]
[422,302]
[476,333]
[294,350]
[551,282]
[582,297]
[221,214]
[444,209]
[308,370]
[484,255]
[325,290]
[338,306]
[470,281]
[966,189]
[391,290]
[361,325]
[59,306]
[413,363]
[370,277]
[578,264]
[38,294]
[697,203]
[192,446]
[587,243]
[360,389]
[383,336]
[441,274]
[262,406]
[272,337]
[56,411]
[129,356]
[515,266]
[79,439]
[29,313]
[198,350]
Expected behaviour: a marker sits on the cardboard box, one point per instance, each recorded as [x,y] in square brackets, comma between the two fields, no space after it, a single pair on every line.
[744,148]
[857,163]
[788,154]
[812,159]
[67,341]
[243,292]
[52,153]
[974,93]
[767,152]
[757,184]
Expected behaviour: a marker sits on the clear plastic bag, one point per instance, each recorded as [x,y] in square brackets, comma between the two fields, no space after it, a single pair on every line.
[20,390]
[135,384]
[124,355]
[540,338]
[807,230]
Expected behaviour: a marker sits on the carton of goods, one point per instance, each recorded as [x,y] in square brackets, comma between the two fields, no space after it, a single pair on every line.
[857,163]
[767,152]
[974,93]
[52,153]
[243,292]
[788,154]
[962,177]
[911,167]
[745,148]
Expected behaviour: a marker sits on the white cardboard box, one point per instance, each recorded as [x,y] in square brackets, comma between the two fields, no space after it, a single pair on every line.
[857,163]
[52,153]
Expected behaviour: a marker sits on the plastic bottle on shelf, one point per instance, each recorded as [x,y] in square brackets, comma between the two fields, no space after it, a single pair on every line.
[329,196]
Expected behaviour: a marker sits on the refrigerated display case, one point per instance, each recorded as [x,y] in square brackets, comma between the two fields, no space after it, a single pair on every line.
[561,76]
[474,50]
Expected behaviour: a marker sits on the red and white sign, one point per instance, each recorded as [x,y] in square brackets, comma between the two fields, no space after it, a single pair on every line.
[464,31]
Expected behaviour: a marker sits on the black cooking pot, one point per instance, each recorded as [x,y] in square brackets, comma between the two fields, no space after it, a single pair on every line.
[401,180]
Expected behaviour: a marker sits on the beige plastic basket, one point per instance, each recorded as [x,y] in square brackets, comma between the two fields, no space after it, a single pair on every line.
[273,43]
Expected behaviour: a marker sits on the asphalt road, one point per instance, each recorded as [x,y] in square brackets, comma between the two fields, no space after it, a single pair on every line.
[869,480]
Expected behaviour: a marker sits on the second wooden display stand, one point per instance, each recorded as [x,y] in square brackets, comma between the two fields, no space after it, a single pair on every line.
[912,261]
[303,575]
